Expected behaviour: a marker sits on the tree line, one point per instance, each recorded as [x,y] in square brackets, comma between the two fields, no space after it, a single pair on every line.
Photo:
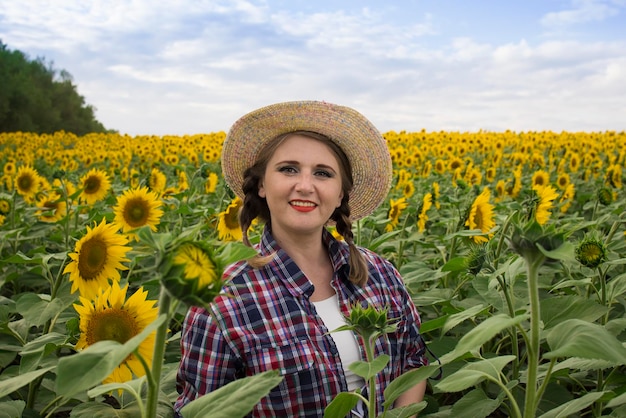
[34,97]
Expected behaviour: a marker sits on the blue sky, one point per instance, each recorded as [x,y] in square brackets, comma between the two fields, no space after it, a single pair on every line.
[192,66]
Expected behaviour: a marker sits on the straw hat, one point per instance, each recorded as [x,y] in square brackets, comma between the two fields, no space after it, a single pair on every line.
[358,138]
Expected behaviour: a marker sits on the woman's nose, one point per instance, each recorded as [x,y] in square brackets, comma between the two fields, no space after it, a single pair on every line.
[305,182]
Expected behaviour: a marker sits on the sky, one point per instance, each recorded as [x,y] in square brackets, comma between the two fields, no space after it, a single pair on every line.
[176,67]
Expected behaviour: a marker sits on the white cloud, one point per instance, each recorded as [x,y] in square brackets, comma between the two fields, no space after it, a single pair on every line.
[175,67]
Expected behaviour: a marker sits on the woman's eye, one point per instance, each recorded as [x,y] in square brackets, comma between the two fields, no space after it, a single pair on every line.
[324,173]
[287,169]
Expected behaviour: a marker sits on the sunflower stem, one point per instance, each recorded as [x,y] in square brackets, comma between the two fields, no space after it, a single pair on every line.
[157,360]
[533,263]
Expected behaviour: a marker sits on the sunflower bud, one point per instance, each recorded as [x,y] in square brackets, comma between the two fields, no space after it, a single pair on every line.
[190,274]
[605,196]
[369,322]
[526,240]
[591,252]
[476,259]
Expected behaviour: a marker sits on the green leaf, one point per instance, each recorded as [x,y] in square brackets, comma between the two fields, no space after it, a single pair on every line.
[406,381]
[236,399]
[565,252]
[455,264]
[12,409]
[407,411]
[474,373]
[555,310]
[617,401]
[14,383]
[475,404]
[433,324]
[36,310]
[232,252]
[341,405]
[100,359]
[456,319]
[39,348]
[573,406]
[367,370]
[482,333]
[577,338]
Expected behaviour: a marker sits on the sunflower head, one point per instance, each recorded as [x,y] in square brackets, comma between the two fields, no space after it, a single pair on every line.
[591,252]
[192,271]
[368,322]
[5,204]
[109,315]
[476,259]
[605,196]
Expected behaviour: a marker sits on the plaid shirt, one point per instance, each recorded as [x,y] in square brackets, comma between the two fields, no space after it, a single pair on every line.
[271,324]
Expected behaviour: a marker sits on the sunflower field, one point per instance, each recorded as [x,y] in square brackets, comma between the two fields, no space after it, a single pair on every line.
[512,244]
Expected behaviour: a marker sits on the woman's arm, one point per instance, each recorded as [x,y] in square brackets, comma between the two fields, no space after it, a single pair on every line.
[413,395]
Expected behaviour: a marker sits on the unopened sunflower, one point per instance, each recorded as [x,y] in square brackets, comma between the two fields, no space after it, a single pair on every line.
[111,316]
[97,259]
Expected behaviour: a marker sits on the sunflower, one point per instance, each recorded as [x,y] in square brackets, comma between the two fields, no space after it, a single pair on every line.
[5,204]
[197,265]
[540,178]
[157,180]
[436,194]
[563,181]
[228,228]
[614,176]
[98,258]
[500,190]
[546,195]
[9,169]
[95,185]
[52,207]
[567,197]
[408,188]
[27,182]
[440,166]
[395,210]
[211,183]
[183,182]
[591,252]
[136,208]
[423,217]
[110,316]
[481,216]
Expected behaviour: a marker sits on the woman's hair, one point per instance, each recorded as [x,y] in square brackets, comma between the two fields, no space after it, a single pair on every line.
[255,206]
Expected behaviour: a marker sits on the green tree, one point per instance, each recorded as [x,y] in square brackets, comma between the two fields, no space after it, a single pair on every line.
[34,99]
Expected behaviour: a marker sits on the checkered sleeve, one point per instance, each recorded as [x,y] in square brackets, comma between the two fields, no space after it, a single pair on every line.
[207,361]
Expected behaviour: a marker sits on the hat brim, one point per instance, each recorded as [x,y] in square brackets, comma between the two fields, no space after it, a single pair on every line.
[359,139]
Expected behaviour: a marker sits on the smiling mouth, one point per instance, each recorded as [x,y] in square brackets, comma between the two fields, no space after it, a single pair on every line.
[302,206]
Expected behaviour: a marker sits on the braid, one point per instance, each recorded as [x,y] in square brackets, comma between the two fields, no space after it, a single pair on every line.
[253,205]
[358,266]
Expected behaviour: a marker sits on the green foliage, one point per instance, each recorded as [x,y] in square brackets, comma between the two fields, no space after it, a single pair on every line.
[33,98]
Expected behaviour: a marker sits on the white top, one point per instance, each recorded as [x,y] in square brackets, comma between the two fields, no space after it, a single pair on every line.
[328,310]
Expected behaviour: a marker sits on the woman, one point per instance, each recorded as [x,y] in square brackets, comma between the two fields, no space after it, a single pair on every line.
[299,166]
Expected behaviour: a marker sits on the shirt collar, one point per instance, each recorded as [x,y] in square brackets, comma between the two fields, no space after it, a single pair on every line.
[285,269]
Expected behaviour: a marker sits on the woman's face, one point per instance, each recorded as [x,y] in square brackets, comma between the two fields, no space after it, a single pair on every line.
[302,186]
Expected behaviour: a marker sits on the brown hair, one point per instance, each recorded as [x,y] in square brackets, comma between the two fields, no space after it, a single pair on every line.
[255,206]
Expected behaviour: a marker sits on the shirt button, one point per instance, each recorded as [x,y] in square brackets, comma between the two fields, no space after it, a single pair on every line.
[333,350]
